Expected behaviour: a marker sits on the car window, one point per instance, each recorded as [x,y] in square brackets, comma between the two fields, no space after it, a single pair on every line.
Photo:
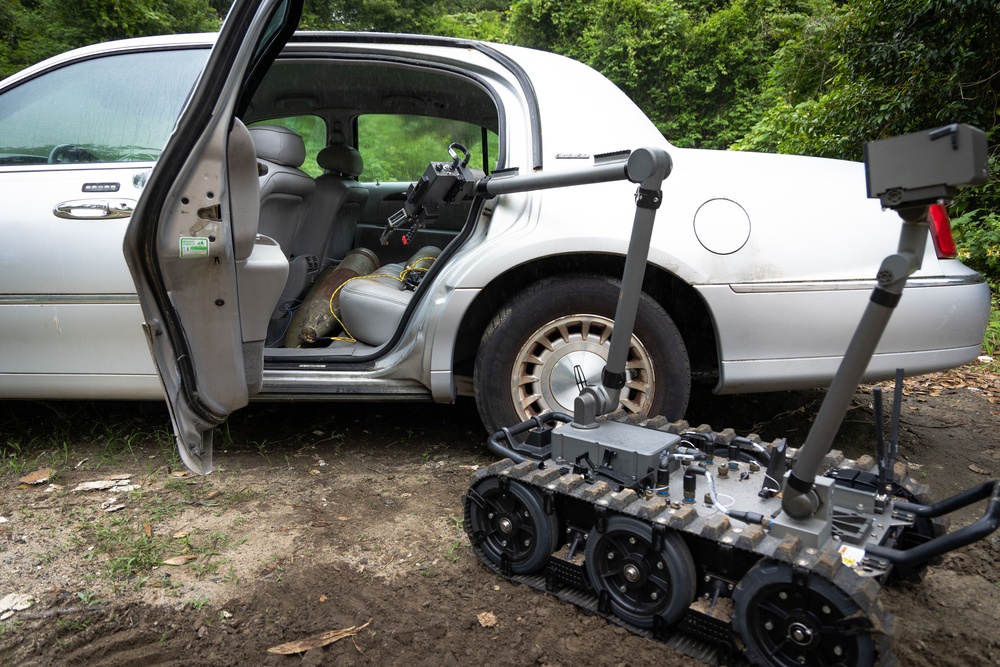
[398,147]
[312,129]
[117,108]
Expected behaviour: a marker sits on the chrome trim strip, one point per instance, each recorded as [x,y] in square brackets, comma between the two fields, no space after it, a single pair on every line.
[66,299]
[840,285]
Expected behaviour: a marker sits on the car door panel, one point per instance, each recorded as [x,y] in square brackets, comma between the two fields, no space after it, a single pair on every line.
[191,244]
[65,251]
[75,293]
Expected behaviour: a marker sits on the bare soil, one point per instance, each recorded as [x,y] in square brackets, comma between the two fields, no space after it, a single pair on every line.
[330,517]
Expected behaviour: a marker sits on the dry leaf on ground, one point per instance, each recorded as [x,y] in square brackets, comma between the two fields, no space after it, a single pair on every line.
[179,560]
[316,641]
[37,477]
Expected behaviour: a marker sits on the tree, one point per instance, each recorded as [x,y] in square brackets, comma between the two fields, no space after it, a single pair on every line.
[875,68]
[371,15]
[37,29]
[697,69]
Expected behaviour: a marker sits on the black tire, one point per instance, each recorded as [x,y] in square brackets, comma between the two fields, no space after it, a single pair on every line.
[641,582]
[510,523]
[565,321]
[784,624]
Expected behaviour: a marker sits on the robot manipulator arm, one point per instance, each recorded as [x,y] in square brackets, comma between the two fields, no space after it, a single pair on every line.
[441,183]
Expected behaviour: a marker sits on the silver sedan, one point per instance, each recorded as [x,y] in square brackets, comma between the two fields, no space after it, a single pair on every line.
[759,268]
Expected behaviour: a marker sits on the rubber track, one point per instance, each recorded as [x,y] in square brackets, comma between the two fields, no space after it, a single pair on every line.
[825,563]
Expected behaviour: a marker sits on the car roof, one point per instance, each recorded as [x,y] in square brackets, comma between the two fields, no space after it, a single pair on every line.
[576,100]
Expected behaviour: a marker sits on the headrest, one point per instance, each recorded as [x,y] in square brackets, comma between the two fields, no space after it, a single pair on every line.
[340,158]
[278,144]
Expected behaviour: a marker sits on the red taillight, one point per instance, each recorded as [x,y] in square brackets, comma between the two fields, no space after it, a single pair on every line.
[944,242]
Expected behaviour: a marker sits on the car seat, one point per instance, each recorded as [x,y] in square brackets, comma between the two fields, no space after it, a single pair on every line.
[285,190]
[371,307]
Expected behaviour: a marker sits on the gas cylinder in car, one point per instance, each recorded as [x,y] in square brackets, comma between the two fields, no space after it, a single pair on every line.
[317,316]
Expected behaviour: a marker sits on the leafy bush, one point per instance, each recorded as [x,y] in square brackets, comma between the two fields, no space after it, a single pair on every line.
[977,225]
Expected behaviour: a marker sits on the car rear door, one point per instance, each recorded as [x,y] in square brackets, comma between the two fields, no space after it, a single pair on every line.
[205,282]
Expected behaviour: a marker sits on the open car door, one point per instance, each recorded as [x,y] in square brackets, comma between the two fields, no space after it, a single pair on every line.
[206,282]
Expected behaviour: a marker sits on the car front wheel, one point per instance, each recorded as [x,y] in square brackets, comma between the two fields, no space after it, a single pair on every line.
[546,340]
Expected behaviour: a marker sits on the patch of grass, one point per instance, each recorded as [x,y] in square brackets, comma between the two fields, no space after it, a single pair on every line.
[130,551]
[202,570]
[166,582]
[139,581]
[191,490]
[46,557]
[160,509]
[88,598]
[198,603]
[164,440]
[273,565]
[138,556]
[991,338]
[13,461]
[16,458]
[231,577]
[455,552]
[246,494]
[214,544]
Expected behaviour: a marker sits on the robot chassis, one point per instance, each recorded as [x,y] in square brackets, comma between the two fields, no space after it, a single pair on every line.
[781,559]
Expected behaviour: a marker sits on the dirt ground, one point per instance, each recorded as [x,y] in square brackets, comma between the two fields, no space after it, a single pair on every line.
[348,518]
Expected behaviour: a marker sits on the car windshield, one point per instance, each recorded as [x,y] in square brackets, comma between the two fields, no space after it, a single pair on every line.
[118,108]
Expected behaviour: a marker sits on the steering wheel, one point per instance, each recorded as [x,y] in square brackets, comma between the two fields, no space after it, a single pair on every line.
[71,153]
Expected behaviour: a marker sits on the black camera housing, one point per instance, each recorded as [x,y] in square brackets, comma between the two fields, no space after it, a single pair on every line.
[924,167]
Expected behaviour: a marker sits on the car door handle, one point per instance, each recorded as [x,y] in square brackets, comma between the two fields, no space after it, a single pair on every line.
[94,209]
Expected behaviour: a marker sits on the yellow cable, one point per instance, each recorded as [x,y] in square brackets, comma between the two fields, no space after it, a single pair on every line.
[401,277]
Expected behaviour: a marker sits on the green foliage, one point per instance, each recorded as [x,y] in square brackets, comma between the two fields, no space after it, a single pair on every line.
[550,25]
[977,229]
[991,338]
[373,15]
[487,25]
[875,68]
[37,29]
[697,70]
[639,46]
[721,68]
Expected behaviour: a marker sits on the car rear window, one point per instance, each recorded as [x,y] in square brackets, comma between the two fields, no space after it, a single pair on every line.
[116,108]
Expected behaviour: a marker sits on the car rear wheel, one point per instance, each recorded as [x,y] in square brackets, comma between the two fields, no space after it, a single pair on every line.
[534,351]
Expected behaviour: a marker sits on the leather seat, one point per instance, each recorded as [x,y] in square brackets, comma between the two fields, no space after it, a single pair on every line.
[326,234]
[339,199]
[372,307]
[285,190]
[327,231]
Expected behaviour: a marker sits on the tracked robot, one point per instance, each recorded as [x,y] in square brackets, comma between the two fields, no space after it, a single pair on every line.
[723,547]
